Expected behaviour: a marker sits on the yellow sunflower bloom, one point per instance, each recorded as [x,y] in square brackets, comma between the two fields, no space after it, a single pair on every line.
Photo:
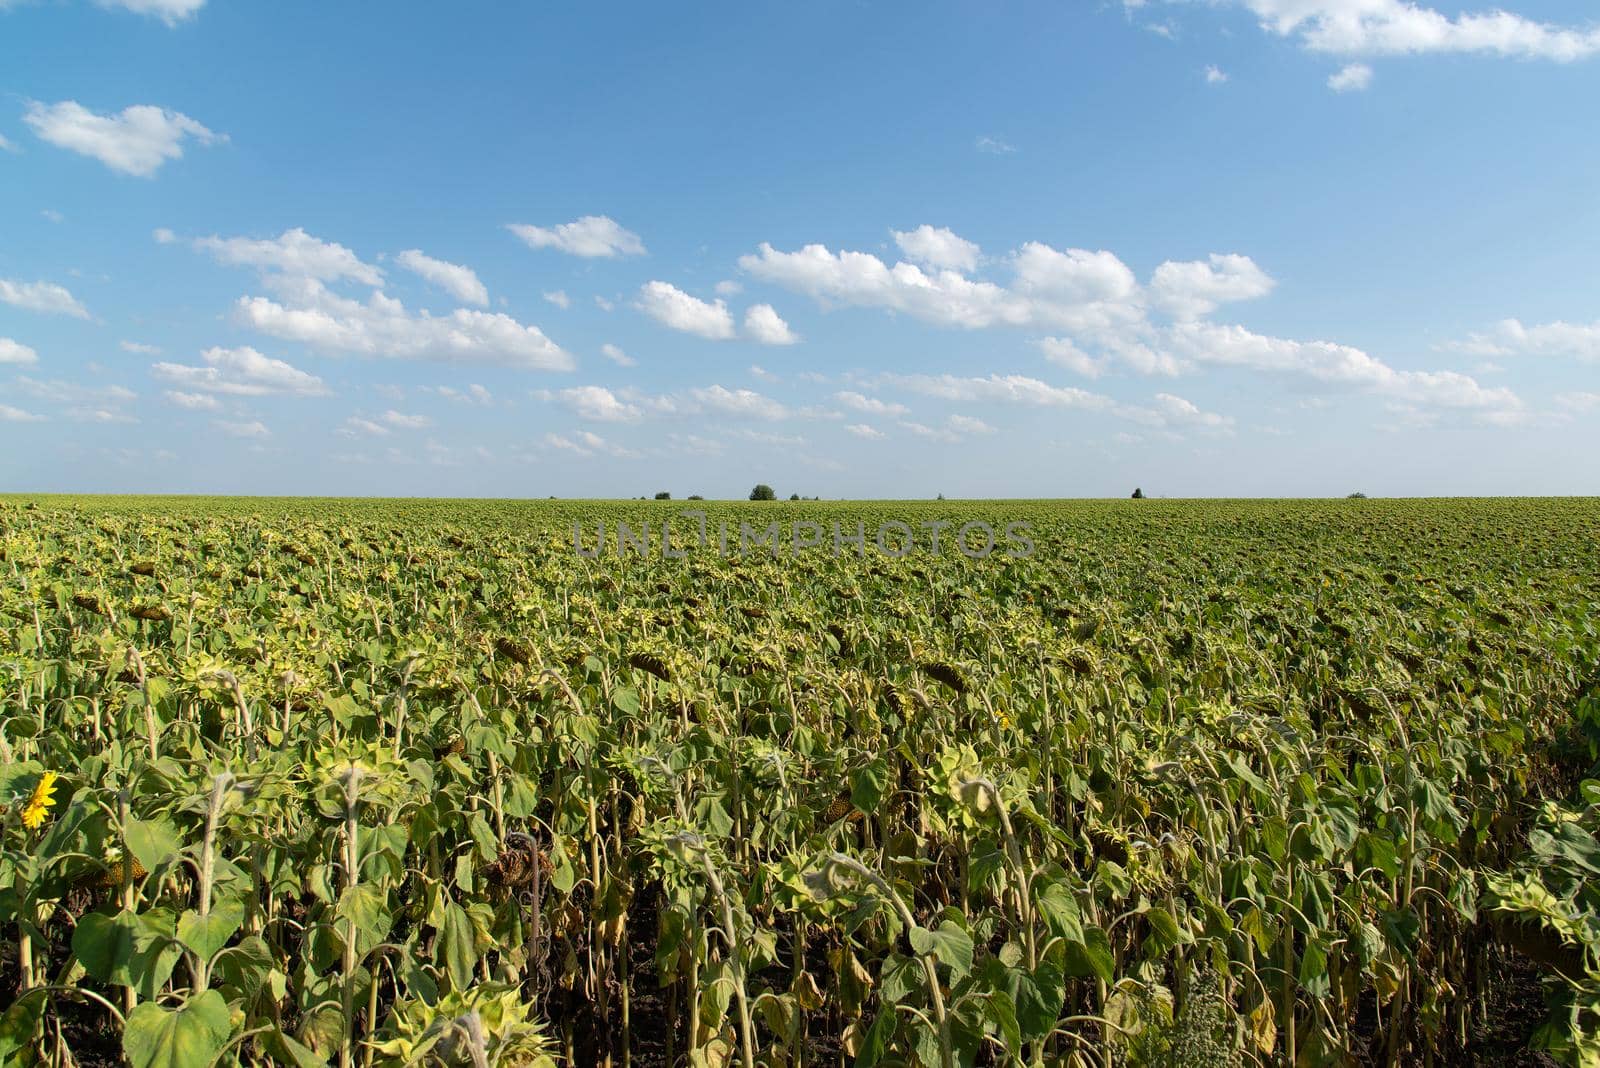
[40,801]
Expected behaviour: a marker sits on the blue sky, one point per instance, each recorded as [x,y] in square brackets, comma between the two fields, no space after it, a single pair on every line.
[1240,247]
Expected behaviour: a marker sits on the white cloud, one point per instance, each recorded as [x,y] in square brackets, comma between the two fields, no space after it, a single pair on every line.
[251,429]
[99,415]
[739,402]
[382,327]
[593,237]
[870,405]
[45,297]
[15,352]
[473,394]
[862,430]
[938,248]
[1010,389]
[50,214]
[194,402]
[994,146]
[763,324]
[585,443]
[1215,76]
[672,307]
[599,404]
[1191,290]
[617,356]
[954,429]
[728,288]
[966,424]
[5,145]
[139,348]
[1399,27]
[559,298]
[459,281]
[10,414]
[402,421]
[1350,79]
[241,372]
[60,391]
[163,236]
[1173,410]
[137,141]
[1062,351]
[296,254]
[1579,402]
[1339,366]
[1511,338]
[171,12]
[357,426]
[1098,312]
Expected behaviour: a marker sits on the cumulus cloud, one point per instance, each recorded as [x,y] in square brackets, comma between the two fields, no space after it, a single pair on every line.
[1330,364]
[994,146]
[1096,312]
[11,414]
[403,421]
[763,324]
[870,405]
[136,141]
[739,402]
[1172,410]
[15,352]
[1008,389]
[473,394]
[1511,338]
[1062,351]
[617,356]
[45,297]
[1399,27]
[559,298]
[1191,290]
[294,254]
[599,404]
[586,443]
[241,429]
[241,372]
[459,281]
[171,12]
[1581,403]
[382,327]
[862,430]
[593,237]
[194,402]
[1215,76]
[672,307]
[937,247]
[1350,79]
[955,428]
[139,348]
[359,426]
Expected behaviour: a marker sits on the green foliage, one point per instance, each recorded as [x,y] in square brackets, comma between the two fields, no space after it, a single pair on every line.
[1196,783]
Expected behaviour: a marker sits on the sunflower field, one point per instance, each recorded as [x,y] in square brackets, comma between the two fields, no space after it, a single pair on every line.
[374,782]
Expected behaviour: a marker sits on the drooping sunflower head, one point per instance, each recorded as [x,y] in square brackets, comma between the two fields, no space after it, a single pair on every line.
[40,801]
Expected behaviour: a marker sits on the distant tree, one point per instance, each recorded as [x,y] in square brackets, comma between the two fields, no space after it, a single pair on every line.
[941,497]
[663,496]
[794,496]
[1357,496]
[696,497]
[763,492]
[1138,494]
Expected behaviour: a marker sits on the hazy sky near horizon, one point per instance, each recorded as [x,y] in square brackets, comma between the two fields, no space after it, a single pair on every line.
[1206,247]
